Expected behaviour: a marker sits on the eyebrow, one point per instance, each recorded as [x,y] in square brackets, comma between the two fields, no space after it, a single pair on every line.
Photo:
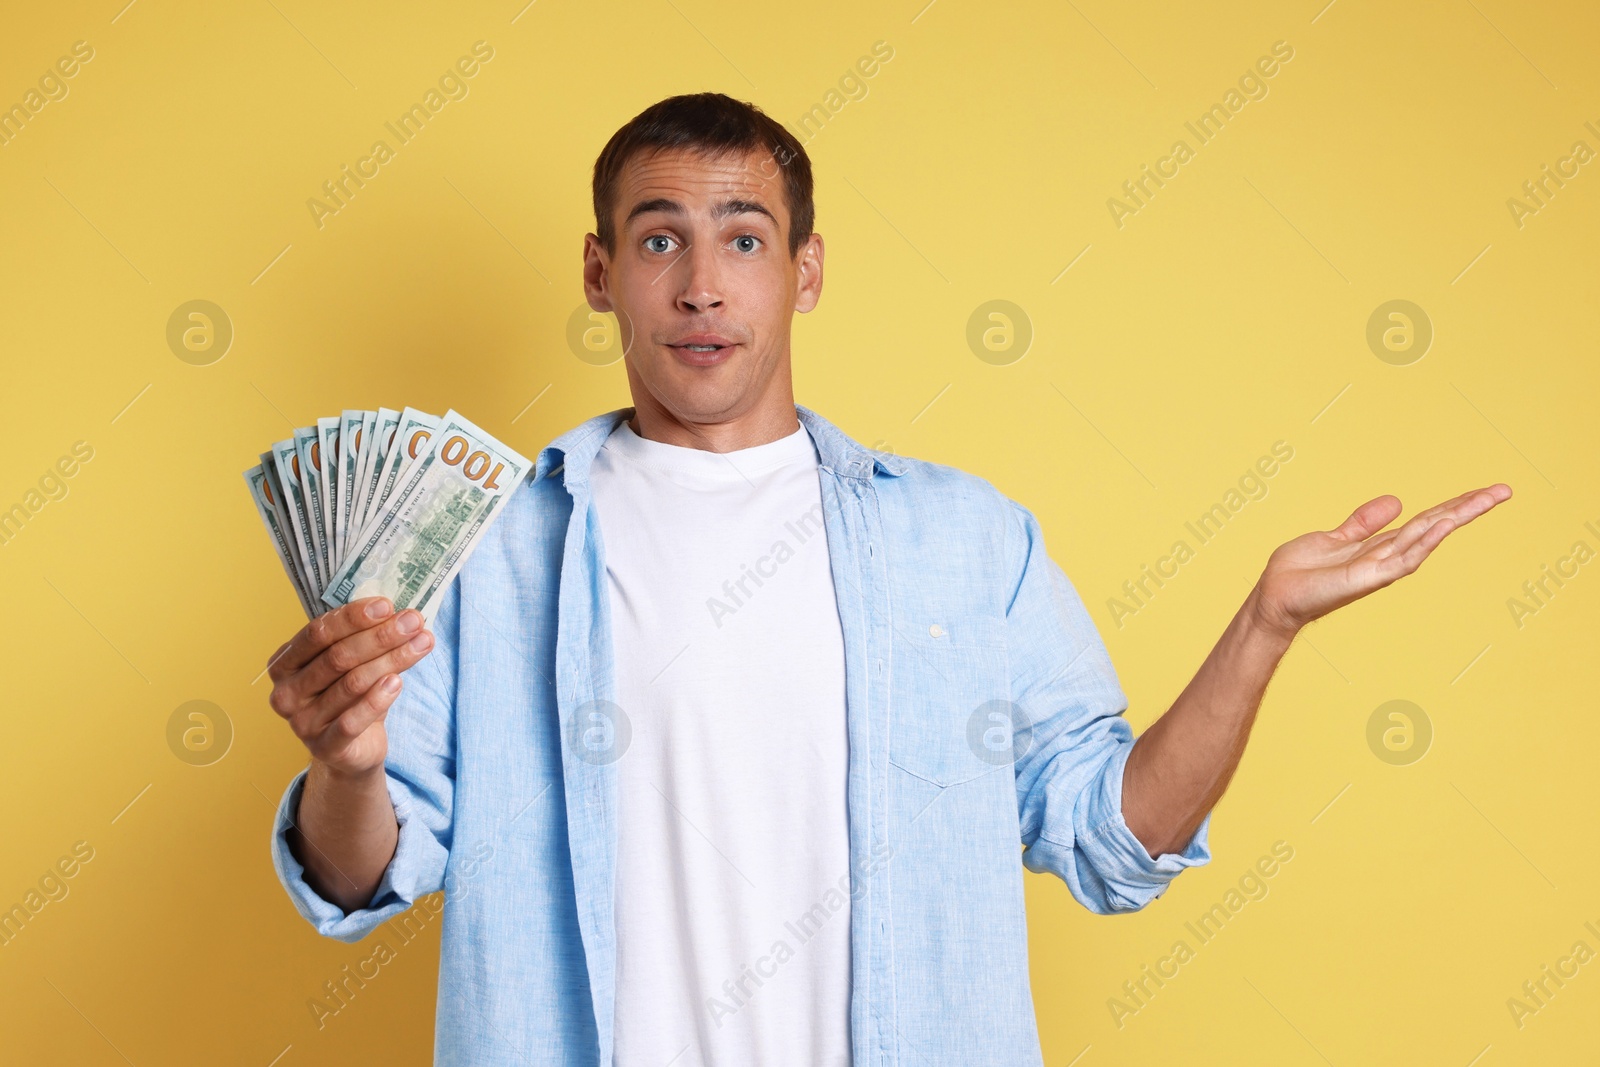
[721,210]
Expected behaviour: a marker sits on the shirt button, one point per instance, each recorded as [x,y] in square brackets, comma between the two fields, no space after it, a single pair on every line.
[936,630]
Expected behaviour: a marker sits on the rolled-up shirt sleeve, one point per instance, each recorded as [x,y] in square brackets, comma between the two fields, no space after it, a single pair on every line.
[420,773]
[1073,743]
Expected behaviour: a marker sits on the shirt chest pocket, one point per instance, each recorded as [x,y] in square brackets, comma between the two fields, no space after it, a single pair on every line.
[948,705]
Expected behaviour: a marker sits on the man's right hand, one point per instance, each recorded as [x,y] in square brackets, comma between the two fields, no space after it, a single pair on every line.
[335,680]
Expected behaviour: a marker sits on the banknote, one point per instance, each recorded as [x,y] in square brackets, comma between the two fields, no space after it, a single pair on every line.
[272,486]
[328,481]
[381,501]
[439,508]
[286,457]
[372,453]
[308,454]
[259,479]
[410,438]
[354,426]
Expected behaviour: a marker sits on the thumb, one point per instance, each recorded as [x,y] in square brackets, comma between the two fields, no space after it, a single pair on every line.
[1369,518]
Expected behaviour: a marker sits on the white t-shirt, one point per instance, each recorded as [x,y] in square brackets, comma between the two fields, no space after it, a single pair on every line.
[732,895]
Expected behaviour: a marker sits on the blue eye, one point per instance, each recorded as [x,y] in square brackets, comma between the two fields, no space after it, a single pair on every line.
[656,237]
[747,237]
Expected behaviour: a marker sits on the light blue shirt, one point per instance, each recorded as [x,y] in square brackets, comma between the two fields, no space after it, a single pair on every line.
[982,712]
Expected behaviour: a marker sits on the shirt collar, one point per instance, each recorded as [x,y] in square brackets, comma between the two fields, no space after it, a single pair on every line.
[843,454]
[572,454]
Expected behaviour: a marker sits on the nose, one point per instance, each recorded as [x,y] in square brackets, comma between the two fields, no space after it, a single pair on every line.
[700,284]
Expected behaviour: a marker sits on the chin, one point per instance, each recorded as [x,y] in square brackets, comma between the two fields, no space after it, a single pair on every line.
[704,398]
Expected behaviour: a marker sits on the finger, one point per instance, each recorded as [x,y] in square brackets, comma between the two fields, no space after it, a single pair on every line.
[1474,502]
[327,628]
[1487,498]
[1369,518]
[1424,519]
[354,686]
[351,652]
[1405,562]
[1460,510]
[1477,503]
[1391,543]
[356,719]
[351,688]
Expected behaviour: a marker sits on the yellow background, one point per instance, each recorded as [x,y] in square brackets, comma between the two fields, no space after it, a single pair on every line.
[1229,313]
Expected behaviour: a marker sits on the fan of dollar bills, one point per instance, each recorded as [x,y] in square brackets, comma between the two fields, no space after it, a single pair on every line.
[381,503]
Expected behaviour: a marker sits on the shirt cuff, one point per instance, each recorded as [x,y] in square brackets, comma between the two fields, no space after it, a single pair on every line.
[397,891]
[1132,877]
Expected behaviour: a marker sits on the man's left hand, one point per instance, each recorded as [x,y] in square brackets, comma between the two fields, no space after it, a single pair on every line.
[1320,571]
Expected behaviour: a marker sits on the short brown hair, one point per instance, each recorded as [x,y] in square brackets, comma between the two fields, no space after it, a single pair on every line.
[714,125]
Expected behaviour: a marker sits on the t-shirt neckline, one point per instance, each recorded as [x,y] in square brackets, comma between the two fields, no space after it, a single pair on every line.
[738,465]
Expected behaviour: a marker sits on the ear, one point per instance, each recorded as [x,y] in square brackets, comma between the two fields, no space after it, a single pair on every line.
[809,265]
[596,273]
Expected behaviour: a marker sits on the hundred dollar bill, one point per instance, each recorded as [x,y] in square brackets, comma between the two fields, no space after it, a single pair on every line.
[259,479]
[372,453]
[328,482]
[354,426]
[279,499]
[286,457]
[308,451]
[438,511]
[410,441]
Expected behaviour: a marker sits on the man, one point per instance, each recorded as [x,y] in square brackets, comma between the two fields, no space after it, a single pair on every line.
[726,737]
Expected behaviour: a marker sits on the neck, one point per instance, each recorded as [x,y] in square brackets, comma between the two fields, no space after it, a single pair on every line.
[758,428]
[768,419]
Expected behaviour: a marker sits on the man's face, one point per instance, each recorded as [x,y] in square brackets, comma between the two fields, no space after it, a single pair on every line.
[703,285]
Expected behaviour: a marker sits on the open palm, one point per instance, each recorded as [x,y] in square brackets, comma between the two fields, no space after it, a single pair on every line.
[1317,572]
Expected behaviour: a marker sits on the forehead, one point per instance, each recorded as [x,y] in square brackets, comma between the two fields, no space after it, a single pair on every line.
[699,181]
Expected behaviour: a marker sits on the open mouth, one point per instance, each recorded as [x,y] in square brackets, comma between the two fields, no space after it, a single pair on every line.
[703,349]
